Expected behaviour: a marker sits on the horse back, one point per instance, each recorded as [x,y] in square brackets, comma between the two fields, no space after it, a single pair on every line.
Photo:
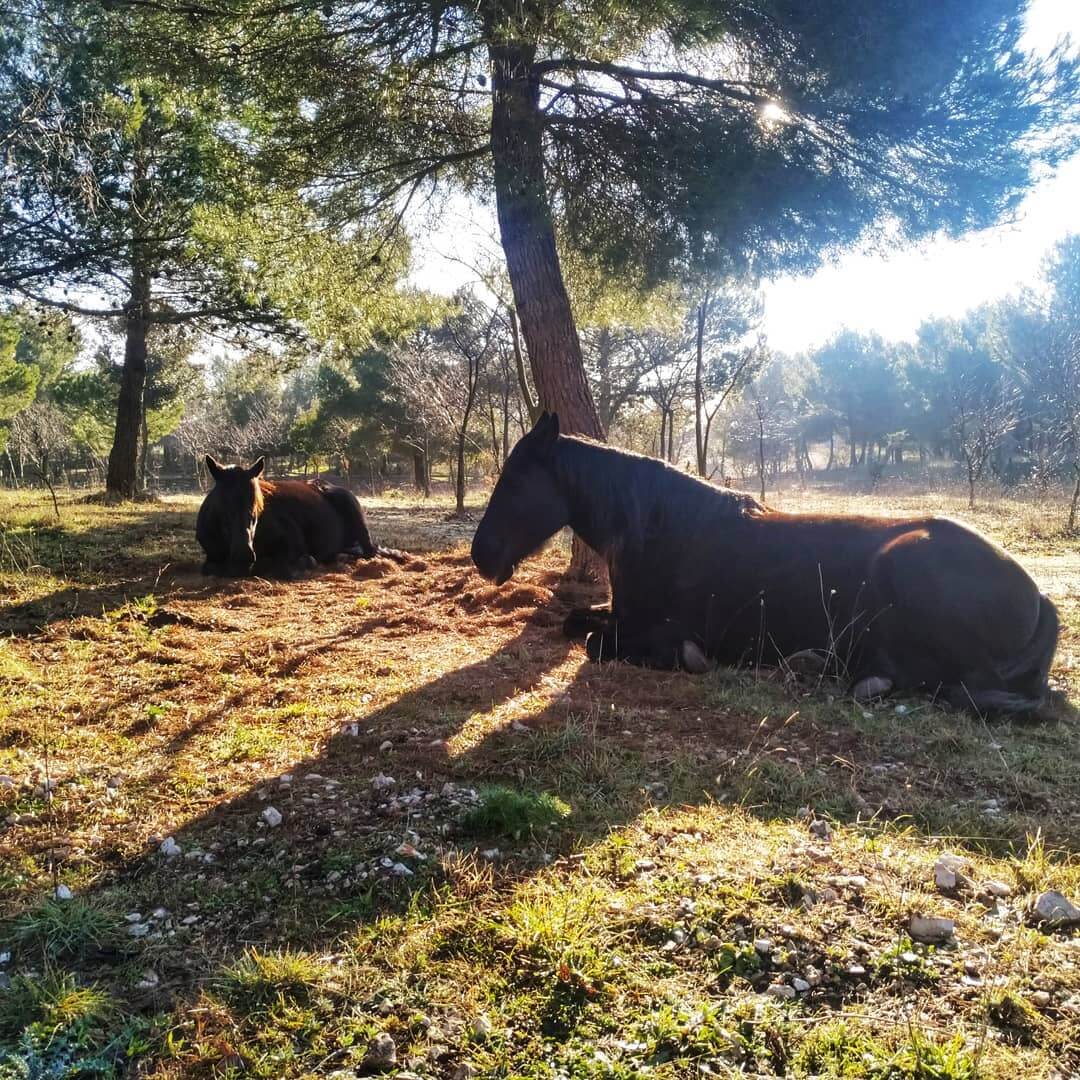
[291,505]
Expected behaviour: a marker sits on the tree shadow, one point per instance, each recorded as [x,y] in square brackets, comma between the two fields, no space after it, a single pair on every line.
[532,714]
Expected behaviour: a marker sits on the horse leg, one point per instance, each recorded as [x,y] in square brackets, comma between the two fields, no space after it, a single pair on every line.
[583,621]
[285,554]
[664,645]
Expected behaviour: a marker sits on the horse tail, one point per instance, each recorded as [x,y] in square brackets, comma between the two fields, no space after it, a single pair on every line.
[1034,660]
[1025,687]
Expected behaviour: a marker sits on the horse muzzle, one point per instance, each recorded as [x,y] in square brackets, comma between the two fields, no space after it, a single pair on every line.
[491,564]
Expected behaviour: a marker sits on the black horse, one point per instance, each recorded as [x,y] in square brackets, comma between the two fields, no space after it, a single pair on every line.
[277,528]
[698,571]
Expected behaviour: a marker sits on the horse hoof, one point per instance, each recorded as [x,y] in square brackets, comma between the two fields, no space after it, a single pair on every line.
[594,647]
[806,662]
[872,687]
[693,658]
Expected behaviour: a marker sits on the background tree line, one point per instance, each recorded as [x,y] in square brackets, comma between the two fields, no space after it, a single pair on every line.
[994,396]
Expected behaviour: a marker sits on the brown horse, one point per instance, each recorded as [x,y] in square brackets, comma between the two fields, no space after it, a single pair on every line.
[697,571]
[277,528]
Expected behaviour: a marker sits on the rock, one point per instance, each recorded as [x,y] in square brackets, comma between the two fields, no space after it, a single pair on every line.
[272,817]
[856,971]
[800,985]
[1053,909]
[170,848]
[813,976]
[945,878]
[386,746]
[930,929]
[763,947]
[382,783]
[781,991]
[463,1071]
[998,889]
[381,1055]
[149,980]
[138,930]
[1040,999]
[63,893]
[481,1028]
[133,917]
[643,866]
[7,782]
[821,829]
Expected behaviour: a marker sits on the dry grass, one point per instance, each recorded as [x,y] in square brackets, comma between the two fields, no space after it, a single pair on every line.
[609,943]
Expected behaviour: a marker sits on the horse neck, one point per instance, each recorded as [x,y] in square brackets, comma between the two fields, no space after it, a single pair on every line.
[590,479]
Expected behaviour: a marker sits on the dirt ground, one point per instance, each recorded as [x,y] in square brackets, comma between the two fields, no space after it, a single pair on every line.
[389,806]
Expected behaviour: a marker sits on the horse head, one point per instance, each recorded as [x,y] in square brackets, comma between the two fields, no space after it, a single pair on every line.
[236,500]
[527,506]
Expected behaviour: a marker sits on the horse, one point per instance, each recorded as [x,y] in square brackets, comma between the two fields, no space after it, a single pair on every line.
[701,574]
[277,528]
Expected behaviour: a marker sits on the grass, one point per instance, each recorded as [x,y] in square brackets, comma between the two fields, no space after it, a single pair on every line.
[489,850]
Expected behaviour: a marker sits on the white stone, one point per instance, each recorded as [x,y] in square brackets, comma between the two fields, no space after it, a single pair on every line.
[481,1028]
[998,889]
[800,985]
[763,946]
[133,917]
[1054,909]
[138,929]
[930,929]
[781,991]
[1040,999]
[272,817]
[170,848]
[64,893]
[382,782]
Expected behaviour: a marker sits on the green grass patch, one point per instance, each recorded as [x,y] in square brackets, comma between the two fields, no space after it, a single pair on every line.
[503,811]
[67,929]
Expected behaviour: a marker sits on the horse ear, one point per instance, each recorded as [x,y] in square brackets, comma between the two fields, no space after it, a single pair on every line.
[257,468]
[214,468]
[546,429]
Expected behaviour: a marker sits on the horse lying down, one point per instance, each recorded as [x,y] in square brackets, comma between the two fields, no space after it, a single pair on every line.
[278,528]
[701,574]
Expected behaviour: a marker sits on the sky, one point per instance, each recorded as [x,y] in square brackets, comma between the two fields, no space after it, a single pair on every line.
[887,294]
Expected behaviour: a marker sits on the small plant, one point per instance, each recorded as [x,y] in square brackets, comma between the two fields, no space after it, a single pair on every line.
[54,1003]
[502,811]
[735,959]
[61,929]
[261,979]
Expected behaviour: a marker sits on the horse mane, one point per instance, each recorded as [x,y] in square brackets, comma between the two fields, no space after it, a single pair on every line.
[262,489]
[612,476]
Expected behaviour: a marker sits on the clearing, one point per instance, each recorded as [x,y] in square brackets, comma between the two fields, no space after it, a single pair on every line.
[386,818]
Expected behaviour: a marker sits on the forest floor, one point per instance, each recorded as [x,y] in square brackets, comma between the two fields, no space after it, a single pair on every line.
[387,818]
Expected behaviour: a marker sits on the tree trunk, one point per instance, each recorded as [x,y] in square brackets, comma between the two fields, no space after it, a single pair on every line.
[144,447]
[419,463]
[761,458]
[1075,497]
[120,482]
[701,431]
[459,485]
[532,259]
